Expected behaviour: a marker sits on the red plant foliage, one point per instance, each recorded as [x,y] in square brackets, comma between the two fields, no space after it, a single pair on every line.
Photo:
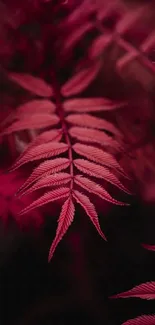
[142,291]
[63,124]
[141,320]
[49,144]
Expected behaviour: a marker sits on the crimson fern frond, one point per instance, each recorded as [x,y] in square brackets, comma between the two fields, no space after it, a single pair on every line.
[73,120]
[141,320]
[142,291]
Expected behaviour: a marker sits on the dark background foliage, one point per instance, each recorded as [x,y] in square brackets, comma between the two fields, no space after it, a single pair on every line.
[85,271]
[75,287]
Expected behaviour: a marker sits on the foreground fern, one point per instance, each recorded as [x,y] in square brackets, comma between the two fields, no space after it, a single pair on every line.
[143,291]
[78,133]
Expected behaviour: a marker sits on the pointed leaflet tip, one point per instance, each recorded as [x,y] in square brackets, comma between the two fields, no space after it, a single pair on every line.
[94,136]
[97,189]
[36,106]
[65,219]
[141,320]
[93,104]
[45,150]
[81,80]
[142,291]
[90,210]
[36,85]
[54,135]
[28,121]
[99,45]
[99,171]
[45,168]
[50,196]
[99,156]
[89,121]
[55,179]
[75,35]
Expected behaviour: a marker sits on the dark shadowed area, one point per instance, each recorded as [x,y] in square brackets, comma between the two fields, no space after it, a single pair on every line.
[77,82]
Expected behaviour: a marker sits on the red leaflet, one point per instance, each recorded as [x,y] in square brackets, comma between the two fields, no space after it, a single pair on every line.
[148,43]
[142,320]
[98,190]
[94,104]
[37,121]
[74,115]
[90,121]
[47,136]
[36,85]
[143,291]
[51,196]
[99,45]
[54,135]
[64,221]
[93,136]
[76,35]
[129,19]
[99,171]
[45,150]
[46,168]
[98,155]
[49,180]
[125,59]
[89,207]
[36,106]
[149,247]
[81,80]
[81,13]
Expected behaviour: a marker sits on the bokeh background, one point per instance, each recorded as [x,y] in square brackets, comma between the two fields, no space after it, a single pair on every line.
[74,288]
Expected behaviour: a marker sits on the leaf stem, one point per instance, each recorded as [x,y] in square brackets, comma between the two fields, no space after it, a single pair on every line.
[60,112]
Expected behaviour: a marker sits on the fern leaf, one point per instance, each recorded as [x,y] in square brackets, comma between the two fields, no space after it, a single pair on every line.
[90,121]
[45,168]
[96,189]
[50,196]
[142,291]
[80,14]
[37,121]
[54,135]
[99,171]
[45,150]
[81,80]
[98,46]
[76,35]
[36,106]
[89,208]
[36,85]
[141,320]
[98,155]
[41,113]
[64,221]
[85,105]
[93,136]
[49,180]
